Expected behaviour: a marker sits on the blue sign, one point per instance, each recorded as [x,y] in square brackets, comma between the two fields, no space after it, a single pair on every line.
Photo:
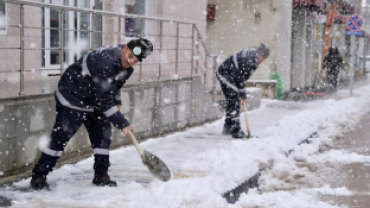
[355,23]
[355,33]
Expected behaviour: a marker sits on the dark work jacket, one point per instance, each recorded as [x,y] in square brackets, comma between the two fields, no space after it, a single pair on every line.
[93,84]
[333,62]
[236,70]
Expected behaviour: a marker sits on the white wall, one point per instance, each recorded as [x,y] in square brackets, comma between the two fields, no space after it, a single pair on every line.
[235,28]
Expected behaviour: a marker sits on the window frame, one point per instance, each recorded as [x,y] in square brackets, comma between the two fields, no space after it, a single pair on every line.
[55,68]
[150,28]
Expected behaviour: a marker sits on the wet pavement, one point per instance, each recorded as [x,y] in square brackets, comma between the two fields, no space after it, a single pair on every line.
[354,176]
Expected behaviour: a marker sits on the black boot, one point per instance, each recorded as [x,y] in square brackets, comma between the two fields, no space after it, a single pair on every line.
[239,135]
[38,181]
[226,130]
[103,180]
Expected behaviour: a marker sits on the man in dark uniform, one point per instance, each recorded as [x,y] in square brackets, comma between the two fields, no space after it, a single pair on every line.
[232,75]
[89,93]
[332,63]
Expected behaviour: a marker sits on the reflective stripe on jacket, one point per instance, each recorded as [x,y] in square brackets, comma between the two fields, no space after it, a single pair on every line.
[237,69]
[93,83]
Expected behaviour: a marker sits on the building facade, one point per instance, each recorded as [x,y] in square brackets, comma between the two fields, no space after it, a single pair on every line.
[44,57]
[294,30]
[247,23]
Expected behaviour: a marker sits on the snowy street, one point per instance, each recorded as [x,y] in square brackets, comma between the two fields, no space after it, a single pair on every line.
[103,101]
[207,164]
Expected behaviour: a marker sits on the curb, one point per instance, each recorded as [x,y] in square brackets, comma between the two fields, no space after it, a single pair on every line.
[5,202]
[233,195]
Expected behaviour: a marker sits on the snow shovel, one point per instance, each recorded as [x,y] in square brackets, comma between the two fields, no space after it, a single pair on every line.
[248,136]
[155,165]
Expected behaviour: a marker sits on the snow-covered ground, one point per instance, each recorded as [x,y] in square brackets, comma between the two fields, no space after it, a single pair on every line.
[206,164]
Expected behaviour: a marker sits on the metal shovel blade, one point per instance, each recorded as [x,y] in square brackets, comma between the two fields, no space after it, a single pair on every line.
[157,167]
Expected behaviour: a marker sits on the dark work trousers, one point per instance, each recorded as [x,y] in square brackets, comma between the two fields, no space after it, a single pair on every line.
[332,80]
[68,121]
[233,100]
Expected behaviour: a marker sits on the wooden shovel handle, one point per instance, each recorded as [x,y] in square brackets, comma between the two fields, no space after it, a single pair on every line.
[246,116]
[134,141]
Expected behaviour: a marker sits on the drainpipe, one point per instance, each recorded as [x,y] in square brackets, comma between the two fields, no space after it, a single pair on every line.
[329,30]
[366,40]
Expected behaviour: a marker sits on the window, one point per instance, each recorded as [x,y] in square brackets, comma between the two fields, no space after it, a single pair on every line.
[51,37]
[133,27]
[54,36]
[82,21]
[77,36]
[2,18]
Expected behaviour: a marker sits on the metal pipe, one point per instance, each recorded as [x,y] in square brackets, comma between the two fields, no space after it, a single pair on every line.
[353,54]
[9,71]
[180,62]
[21,42]
[364,58]
[197,55]
[61,52]
[201,39]
[160,49]
[92,32]
[10,48]
[205,74]
[46,49]
[177,49]
[142,22]
[27,70]
[70,8]
[214,79]
[141,63]
[119,30]
[192,49]
[54,28]
[33,27]
[77,30]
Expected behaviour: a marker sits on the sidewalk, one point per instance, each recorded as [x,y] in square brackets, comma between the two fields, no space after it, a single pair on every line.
[204,163]
[336,176]
[207,164]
